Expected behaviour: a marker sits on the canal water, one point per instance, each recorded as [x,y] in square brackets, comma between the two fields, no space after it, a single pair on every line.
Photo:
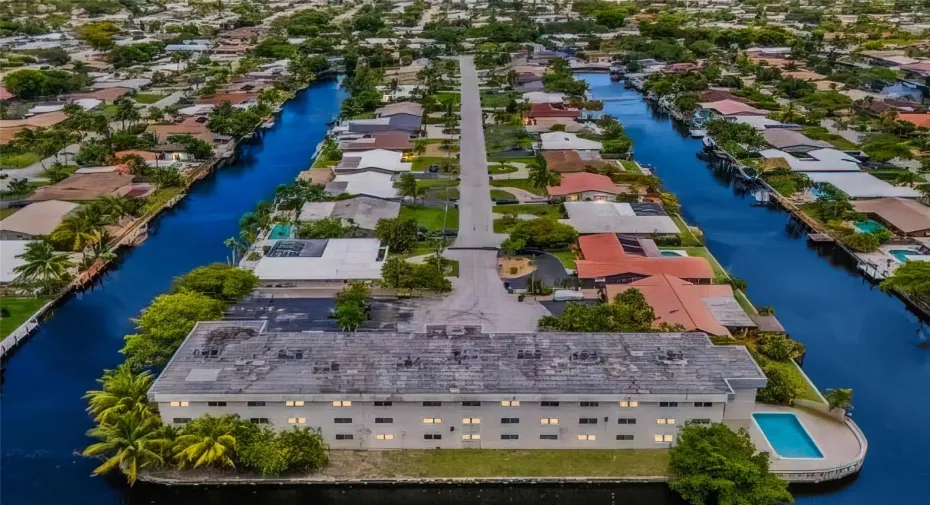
[856,336]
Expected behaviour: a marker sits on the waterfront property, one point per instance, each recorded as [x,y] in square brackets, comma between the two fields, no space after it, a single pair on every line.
[456,387]
[290,263]
[643,218]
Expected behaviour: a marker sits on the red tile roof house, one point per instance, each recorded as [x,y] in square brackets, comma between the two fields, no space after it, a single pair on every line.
[733,108]
[548,110]
[605,263]
[710,308]
[584,186]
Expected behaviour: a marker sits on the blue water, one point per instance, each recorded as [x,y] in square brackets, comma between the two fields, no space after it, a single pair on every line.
[673,254]
[868,226]
[787,435]
[43,420]
[856,336]
[902,254]
[280,231]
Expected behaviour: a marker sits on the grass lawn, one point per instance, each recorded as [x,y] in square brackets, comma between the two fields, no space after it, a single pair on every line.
[8,211]
[499,194]
[526,463]
[495,100]
[821,133]
[685,229]
[744,302]
[554,211]
[147,98]
[566,257]
[22,160]
[629,166]
[497,158]
[812,210]
[421,163]
[159,197]
[436,183]
[446,96]
[109,111]
[431,217]
[20,310]
[523,184]
[498,168]
[887,175]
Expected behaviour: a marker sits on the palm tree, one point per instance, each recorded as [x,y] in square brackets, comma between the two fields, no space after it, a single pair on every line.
[122,391]
[207,441]
[77,230]
[908,178]
[540,176]
[237,246]
[126,111]
[99,249]
[406,186]
[130,443]
[43,265]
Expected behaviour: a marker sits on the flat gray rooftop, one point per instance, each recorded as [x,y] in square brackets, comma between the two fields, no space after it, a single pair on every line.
[228,357]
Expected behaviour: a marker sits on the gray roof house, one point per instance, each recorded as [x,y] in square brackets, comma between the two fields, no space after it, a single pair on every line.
[365,211]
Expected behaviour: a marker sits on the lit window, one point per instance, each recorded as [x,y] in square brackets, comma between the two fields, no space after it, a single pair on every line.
[296,420]
[295,403]
[510,403]
[471,420]
[432,420]
[549,420]
[179,404]
[665,420]
[629,404]
[664,438]
[384,436]
[473,436]
[587,437]
[342,403]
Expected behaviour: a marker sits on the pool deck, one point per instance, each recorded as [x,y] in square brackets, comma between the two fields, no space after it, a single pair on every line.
[842,443]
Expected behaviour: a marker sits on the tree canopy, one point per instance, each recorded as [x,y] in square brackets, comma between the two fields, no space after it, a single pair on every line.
[628,312]
[219,281]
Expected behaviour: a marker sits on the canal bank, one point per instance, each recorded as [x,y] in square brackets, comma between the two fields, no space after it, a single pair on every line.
[42,418]
[856,336]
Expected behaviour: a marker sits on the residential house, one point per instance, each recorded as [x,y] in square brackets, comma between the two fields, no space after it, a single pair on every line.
[364,211]
[585,186]
[391,141]
[296,263]
[791,141]
[902,216]
[378,160]
[564,141]
[644,218]
[35,219]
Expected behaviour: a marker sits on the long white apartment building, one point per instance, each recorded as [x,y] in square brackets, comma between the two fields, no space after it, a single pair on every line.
[456,387]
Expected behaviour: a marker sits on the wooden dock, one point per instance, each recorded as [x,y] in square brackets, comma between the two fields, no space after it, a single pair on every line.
[820,237]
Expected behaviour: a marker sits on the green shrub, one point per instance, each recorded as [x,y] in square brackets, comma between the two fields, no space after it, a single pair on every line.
[783,386]
[862,242]
[218,281]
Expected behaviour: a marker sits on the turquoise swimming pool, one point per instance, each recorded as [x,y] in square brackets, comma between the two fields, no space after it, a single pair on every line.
[902,254]
[869,226]
[787,435]
[675,254]
[281,231]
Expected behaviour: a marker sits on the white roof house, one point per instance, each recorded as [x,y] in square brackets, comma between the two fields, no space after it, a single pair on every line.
[371,183]
[543,97]
[365,211]
[563,141]
[863,185]
[8,258]
[821,160]
[617,217]
[334,259]
[378,159]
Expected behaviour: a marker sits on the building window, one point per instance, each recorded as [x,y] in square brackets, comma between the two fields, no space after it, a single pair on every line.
[343,420]
[668,404]
[296,420]
[624,437]
[432,404]
[384,436]
[255,404]
[181,420]
[471,420]
[383,404]
[432,436]
[473,436]
[665,420]
[384,420]
[587,420]
[432,420]
[549,420]
[342,403]
[216,404]
[700,421]
[704,404]
[510,420]
[548,437]
[629,404]
[626,420]
[587,438]
[510,403]
[344,436]
[549,404]
[664,438]
[259,420]
[471,404]
[510,437]
[294,403]
[179,404]
[590,404]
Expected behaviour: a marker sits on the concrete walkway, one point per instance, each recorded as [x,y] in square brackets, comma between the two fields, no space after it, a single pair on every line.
[520,194]
[167,101]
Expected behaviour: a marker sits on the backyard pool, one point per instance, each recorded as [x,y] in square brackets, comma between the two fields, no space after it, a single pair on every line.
[281,231]
[787,436]
[902,254]
[675,253]
[869,226]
